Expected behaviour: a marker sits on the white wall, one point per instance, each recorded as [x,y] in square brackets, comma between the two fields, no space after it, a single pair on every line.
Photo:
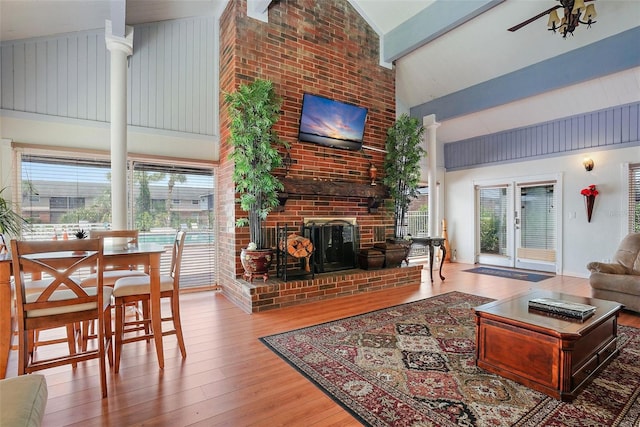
[582,241]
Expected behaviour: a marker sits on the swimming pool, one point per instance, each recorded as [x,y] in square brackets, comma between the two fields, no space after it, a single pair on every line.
[167,238]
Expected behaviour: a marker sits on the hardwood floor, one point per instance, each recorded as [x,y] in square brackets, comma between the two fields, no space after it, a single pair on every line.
[229,378]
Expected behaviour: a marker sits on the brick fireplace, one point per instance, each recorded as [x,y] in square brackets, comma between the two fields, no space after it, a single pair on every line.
[324,48]
[336,241]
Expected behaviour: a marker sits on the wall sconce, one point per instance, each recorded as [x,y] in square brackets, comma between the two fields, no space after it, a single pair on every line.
[588,164]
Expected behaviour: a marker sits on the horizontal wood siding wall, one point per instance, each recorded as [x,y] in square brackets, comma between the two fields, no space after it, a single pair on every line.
[171,83]
[609,128]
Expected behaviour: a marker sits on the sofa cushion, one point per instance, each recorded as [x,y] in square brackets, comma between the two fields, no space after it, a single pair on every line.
[628,253]
[23,400]
[623,283]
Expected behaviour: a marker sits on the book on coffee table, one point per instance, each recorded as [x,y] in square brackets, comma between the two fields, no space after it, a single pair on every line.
[565,308]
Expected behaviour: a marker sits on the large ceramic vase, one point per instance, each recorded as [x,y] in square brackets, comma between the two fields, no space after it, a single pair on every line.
[395,252]
[256,263]
[405,244]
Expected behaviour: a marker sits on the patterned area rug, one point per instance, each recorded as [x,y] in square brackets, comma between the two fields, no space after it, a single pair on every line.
[511,274]
[414,365]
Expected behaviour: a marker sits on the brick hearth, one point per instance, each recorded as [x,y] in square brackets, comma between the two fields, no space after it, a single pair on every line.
[276,294]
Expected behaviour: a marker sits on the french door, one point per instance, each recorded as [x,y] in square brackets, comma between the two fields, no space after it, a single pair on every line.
[517,224]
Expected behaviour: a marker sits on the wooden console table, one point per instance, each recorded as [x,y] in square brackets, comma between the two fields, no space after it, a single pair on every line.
[431,243]
[552,354]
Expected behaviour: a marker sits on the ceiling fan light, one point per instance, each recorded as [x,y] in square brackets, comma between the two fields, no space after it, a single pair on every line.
[554,20]
[590,13]
[563,23]
[572,10]
[578,5]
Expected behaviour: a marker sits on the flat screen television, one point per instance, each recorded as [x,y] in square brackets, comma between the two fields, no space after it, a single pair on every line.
[331,123]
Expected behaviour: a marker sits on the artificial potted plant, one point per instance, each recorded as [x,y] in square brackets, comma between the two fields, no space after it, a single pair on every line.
[80,235]
[11,223]
[254,109]
[402,174]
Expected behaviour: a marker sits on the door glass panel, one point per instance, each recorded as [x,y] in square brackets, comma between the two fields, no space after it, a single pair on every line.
[537,223]
[493,221]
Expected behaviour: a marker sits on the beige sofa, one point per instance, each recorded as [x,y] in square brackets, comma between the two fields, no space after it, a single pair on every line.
[619,280]
[23,400]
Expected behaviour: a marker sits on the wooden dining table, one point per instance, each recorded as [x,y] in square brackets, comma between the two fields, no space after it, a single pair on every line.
[147,255]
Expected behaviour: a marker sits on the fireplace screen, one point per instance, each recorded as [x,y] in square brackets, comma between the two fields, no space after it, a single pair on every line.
[336,244]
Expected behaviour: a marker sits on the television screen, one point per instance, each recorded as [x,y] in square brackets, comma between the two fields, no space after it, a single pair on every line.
[331,123]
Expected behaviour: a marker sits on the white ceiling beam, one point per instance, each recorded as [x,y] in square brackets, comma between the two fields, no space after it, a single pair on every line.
[118,17]
[432,22]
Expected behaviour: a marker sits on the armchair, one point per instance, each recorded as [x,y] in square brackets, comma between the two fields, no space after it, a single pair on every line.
[619,280]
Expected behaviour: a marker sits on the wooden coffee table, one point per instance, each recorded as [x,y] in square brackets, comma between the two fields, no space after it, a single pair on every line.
[555,355]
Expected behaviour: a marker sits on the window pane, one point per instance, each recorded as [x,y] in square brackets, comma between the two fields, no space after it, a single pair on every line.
[493,218]
[61,194]
[167,198]
[634,198]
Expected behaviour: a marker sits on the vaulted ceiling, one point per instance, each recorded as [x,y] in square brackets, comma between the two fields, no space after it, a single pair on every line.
[454,58]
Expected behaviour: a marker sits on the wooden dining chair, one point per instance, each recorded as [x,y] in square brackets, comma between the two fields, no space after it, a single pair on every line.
[111,273]
[138,289]
[62,302]
[72,332]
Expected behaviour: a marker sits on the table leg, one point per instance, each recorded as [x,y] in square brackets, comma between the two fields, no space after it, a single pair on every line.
[431,250]
[156,314]
[6,316]
[444,254]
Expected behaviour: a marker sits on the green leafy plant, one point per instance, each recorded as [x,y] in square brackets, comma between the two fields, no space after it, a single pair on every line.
[81,234]
[11,223]
[489,234]
[402,166]
[254,109]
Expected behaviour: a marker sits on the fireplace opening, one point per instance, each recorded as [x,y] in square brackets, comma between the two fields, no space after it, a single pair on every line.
[336,243]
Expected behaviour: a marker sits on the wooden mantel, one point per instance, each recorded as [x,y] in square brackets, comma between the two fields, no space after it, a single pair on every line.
[310,187]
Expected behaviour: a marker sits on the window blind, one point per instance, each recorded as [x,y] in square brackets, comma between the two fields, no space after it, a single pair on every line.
[634,198]
[538,222]
[62,192]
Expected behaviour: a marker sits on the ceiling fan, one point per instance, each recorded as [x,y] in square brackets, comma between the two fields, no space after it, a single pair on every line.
[572,11]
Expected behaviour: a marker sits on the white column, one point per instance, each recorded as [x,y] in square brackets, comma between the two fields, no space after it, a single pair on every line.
[121,48]
[430,124]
